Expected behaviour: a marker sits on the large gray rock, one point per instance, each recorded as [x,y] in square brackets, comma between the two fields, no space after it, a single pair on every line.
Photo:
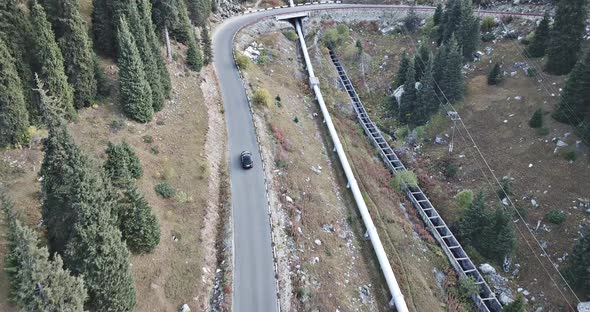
[487,269]
[185,308]
[584,306]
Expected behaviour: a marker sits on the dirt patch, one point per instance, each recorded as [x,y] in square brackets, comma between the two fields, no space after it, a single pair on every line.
[215,144]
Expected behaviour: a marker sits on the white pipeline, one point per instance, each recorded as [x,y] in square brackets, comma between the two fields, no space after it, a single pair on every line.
[396,293]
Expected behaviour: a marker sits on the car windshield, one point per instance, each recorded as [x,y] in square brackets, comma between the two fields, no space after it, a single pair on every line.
[247,158]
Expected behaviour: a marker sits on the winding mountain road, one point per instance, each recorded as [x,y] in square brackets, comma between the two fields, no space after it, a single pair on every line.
[254,282]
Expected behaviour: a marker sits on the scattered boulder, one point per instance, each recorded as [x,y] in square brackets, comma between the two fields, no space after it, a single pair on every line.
[185,308]
[364,294]
[584,306]
[439,140]
[487,268]
[318,242]
[289,199]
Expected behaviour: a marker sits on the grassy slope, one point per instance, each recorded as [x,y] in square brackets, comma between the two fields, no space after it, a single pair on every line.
[500,128]
[169,276]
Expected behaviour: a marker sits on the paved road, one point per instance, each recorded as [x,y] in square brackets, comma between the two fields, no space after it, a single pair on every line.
[254,284]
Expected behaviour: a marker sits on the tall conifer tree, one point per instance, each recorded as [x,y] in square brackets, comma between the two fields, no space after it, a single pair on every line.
[36,282]
[16,31]
[408,98]
[78,213]
[139,226]
[49,63]
[566,36]
[150,66]
[421,60]
[574,103]
[453,81]
[400,78]
[14,118]
[427,99]
[76,47]
[136,94]
[145,11]
[438,15]
[577,271]
[469,32]
[200,11]
[537,47]
[207,49]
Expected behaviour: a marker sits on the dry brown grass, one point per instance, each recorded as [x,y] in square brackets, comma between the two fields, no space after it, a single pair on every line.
[500,128]
[171,274]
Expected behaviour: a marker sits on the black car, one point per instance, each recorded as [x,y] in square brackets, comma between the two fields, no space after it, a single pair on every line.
[246,159]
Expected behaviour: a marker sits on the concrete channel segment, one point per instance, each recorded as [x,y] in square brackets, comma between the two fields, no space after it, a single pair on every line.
[486,299]
[254,277]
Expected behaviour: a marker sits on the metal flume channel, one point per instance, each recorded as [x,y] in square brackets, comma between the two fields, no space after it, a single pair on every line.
[486,299]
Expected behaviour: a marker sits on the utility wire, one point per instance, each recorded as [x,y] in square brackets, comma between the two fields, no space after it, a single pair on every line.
[475,146]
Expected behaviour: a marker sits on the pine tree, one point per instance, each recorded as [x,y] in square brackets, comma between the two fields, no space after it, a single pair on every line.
[36,282]
[427,99]
[537,47]
[400,78]
[122,165]
[103,30]
[575,99]
[566,37]
[173,15]
[194,59]
[421,60]
[136,94]
[14,118]
[199,10]
[494,77]
[139,227]
[409,97]
[78,214]
[453,82]
[474,220]
[150,66]
[76,48]
[453,19]
[439,65]
[536,120]
[133,162]
[105,23]
[146,13]
[577,272]
[438,15]
[16,32]
[50,64]
[207,49]
[411,21]
[117,166]
[469,31]
[583,129]
[500,232]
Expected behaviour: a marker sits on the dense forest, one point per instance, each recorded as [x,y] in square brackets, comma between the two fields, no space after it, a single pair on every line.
[93,214]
